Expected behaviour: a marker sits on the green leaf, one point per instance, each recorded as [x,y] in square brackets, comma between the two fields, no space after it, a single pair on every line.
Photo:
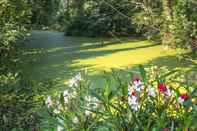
[172,126]
[142,73]
[106,92]
[168,74]
[62,100]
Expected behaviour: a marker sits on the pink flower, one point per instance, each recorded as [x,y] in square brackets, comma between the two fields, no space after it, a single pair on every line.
[168,93]
[151,92]
[136,79]
[162,87]
[183,97]
[138,86]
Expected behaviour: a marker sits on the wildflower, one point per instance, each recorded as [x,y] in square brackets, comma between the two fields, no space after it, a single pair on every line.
[56,111]
[168,93]
[151,92]
[66,96]
[134,93]
[133,100]
[138,86]
[92,104]
[78,77]
[183,97]
[88,113]
[49,101]
[136,79]
[162,87]
[75,120]
[59,128]
[72,82]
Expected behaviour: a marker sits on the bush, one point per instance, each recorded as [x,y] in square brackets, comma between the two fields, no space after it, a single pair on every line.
[145,102]
[181,31]
[20,101]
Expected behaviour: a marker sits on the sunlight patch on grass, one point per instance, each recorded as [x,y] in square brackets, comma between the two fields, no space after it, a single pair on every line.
[130,54]
[126,45]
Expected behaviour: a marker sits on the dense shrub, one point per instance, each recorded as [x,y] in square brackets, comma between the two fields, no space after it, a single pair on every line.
[20,98]
[20,101]
[171,22]
[148,101]
[14,15]
[182,29]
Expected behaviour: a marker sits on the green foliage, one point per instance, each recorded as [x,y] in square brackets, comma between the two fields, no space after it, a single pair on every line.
[172,22]
[14,15]
[20,101]
[147,18]
[182,28]
[98,18]
[44,12]
[107,108]
[20,98]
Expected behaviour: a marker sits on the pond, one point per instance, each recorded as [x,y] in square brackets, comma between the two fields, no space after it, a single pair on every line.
[51,55]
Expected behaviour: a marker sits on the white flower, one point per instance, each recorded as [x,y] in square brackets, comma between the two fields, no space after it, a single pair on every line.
[180,100]
[49,101]
[138,86]
[168,93]
[59,128]
[72,82]
[66,96]
[135,107]
[65,93]
[88,113]
[133,102]
[137,82]
[151,92]
[56,111]
[132,98]
[75,120]
[92,104]
[78,77]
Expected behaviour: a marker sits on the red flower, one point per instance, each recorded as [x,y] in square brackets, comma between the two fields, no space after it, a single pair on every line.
[162,87]
[133,93]
[184,96]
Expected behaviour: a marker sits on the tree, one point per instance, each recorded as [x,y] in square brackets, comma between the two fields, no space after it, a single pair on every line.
[44,12]
[89,16]
[173,22]
[181,28]
[14,16]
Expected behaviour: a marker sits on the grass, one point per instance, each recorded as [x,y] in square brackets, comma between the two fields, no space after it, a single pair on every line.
[52,56]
